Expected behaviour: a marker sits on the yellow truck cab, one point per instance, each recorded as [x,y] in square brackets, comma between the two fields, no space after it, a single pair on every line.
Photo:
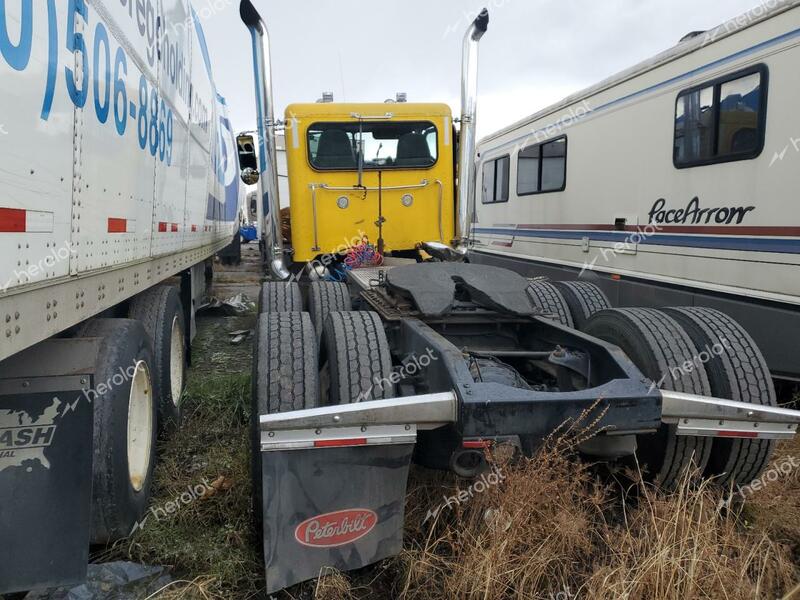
[377,172]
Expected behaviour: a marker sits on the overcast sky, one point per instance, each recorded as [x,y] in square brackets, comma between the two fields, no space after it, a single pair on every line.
[535,53]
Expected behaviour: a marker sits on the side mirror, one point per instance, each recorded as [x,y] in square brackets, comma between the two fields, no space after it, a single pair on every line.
[248,159]
[250,176]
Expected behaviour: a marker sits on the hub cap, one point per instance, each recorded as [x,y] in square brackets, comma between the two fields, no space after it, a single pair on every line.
[140,426]
[176,362]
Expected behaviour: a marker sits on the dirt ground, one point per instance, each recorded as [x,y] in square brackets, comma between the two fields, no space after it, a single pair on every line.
[571,536]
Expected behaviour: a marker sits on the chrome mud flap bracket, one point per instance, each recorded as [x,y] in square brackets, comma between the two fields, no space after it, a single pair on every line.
[713,417]
[46,424]
[334,483]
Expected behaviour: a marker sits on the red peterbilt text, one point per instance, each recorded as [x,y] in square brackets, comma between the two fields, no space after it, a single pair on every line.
[336,529]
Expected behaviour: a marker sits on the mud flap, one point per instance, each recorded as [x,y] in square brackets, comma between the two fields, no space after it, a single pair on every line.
[332,507]
[334,483]
[46,424]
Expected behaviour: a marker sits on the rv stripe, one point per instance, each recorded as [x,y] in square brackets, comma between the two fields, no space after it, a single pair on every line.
[779,245]
[655,228]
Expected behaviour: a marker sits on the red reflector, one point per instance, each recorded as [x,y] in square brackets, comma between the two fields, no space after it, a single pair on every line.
[477,444]
[174,227]
[117,226]
[340,443]
[162,227]
[194,228]
[12,220]
[738,434]
[616,277]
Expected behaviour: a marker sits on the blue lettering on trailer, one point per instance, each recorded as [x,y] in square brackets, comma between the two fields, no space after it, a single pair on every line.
[154,117]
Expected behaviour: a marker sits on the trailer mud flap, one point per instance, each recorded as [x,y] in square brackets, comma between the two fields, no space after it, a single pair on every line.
[45,487]
[46,431]
[340,507]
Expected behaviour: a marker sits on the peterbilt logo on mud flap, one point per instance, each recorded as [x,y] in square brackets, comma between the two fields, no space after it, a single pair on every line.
[336,529]
[24,438]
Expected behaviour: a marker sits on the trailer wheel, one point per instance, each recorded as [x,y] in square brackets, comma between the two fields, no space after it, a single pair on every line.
[160,310]
[285,378]
[359,359]
[549,298]
[324,298]
[584,300]
[737,371]
[280,297]
[659,347]
[125,424]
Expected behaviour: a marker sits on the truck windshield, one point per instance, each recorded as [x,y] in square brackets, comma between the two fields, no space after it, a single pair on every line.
[406,145]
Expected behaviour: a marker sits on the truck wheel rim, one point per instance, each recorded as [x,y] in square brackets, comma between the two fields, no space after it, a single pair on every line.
[140,426]
[176,362]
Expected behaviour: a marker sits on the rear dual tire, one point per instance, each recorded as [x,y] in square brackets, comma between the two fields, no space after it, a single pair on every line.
[326,298]
[125,408]
[659,346]
[725,363]
[280,297]
[584,300]
[549,299]
[160,311]
[571,303]
[359,359]
[285,378]
[736,371]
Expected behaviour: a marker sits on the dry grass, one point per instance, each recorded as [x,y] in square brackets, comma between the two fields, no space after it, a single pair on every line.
[552,530]
[775,510]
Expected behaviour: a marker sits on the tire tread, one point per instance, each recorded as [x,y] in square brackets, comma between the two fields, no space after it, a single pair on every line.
[741,374]
[359,357]
[584,300]
[280,297]
[548,297]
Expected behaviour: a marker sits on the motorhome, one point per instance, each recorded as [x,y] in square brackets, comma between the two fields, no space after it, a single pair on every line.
[672,183]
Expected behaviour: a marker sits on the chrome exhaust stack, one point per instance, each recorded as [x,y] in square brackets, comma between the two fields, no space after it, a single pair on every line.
[468,143]
[267,155]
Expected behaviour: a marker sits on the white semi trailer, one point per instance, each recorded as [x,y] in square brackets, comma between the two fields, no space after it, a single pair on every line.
[118,171]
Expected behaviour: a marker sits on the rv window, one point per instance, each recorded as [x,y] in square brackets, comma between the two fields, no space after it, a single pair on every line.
[528,170]
[694,126]
[488,182]
[542,168]
[496,175]
[554,165]
[385,145]
[721,122]
[740,102]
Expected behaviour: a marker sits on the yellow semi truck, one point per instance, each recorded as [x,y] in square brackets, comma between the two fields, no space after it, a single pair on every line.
[384,172]
[384,177]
